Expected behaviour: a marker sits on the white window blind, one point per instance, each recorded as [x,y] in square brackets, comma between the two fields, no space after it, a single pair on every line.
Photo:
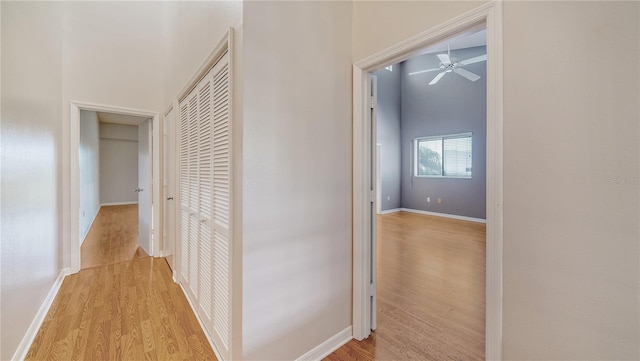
[444,156]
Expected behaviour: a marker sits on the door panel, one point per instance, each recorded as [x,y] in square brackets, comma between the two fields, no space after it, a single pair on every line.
[374,204]
[205,201]
[144,186]
[169,186]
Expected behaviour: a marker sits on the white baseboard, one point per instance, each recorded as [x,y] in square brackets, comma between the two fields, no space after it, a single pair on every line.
[118,203]
[84,236]
[164,253]
[33,329]
[326,348]
[391,211]
[464,218]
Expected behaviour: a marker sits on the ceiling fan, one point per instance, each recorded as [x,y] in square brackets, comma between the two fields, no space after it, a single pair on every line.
[448,66]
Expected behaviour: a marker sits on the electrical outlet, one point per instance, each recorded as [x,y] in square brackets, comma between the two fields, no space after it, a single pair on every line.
[428,199]
[439,200]
[388,198]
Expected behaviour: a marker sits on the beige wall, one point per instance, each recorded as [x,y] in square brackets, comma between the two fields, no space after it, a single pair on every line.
[571,156]
[297,176]
[571,195]
[192,29]
[89,170]
[113,53]
[378,25]
[30,186]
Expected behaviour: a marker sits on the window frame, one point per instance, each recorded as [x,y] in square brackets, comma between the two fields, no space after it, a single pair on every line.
[416,145]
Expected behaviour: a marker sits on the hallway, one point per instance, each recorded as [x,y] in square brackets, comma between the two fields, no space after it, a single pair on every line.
[123,304]
[113,237]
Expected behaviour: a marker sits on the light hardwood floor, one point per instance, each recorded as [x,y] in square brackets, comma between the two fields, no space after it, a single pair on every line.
[123,304]
[431,291]
[112,238]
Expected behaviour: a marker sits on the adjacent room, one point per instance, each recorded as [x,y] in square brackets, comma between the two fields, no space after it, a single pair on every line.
[430,115]
[112,150]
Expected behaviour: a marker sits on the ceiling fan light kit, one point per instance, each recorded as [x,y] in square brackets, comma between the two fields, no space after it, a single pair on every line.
[449,66]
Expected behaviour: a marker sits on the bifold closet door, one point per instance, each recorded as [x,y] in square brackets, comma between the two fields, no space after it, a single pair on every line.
[205,201]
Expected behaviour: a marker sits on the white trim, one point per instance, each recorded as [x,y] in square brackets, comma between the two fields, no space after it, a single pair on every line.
[168,110]
[222,46]
[163,253]
[32,331]
[389,211]
[327,347]
[84,236]
[177,267]
[204,329]
[444,215]
[72,178]
[117,204]
[489,14]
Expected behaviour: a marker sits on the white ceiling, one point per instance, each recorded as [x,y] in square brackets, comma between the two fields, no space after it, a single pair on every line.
[120,119]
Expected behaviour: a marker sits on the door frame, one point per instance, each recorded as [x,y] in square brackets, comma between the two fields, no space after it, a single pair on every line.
[71,189]
[169,238]
[489,15]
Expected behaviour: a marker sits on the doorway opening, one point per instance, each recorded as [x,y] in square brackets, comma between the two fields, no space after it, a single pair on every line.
[85,197]
[487,16]
[115,187]
[428,256]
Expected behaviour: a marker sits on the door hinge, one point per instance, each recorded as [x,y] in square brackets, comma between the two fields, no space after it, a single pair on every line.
[372,102]
[371,289]
[372,196]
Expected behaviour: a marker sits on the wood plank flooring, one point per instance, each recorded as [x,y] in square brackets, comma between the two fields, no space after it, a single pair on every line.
[123,304]
[112,238]
[431,291]
[125,311]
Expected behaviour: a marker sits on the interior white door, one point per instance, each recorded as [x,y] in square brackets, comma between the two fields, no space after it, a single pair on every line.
[169,157]
[374,203]
[144,186]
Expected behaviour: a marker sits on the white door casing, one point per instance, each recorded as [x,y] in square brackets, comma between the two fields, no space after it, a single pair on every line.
[489,15]
[374,205]
[71,177]
[145,189]
[169,186]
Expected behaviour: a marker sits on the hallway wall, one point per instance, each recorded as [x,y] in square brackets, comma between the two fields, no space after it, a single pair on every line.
[297,176]
[31,71]
[89,171]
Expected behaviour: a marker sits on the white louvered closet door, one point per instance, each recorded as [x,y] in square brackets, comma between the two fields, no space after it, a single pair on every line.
[205,199]
[221,110]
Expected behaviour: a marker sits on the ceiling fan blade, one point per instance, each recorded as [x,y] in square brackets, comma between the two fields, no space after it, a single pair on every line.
[424,71]
[444,59]
[476,59]
[467,74]
[437,78]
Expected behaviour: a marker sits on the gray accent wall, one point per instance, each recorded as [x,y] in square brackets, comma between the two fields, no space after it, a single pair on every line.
[388,135]
[118,163]
[453,105]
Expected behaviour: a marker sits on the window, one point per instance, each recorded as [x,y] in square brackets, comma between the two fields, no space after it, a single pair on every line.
[443,156]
